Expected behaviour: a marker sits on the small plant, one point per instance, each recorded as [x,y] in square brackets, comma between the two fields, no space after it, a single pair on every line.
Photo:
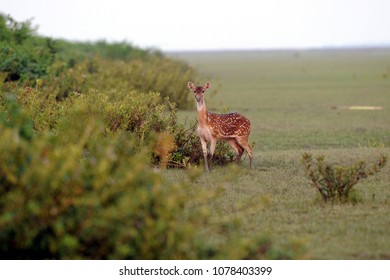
[336,182]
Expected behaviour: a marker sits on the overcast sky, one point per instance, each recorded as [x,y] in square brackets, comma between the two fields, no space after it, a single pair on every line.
[209,24]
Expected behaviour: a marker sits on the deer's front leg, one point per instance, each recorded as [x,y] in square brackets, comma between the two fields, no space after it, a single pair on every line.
[204,149]
[213,143]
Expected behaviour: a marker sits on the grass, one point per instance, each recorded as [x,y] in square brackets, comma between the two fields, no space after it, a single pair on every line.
[296,102]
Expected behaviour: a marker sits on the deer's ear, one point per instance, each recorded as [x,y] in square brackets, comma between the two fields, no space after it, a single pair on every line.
[207,85]
[191,86]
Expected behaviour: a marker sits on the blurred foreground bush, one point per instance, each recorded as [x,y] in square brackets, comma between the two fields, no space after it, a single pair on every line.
[81,193]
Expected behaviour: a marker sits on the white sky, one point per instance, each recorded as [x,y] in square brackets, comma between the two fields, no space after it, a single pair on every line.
[209,24]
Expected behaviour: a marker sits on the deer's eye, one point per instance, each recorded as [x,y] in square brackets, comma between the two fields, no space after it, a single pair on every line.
[202,91]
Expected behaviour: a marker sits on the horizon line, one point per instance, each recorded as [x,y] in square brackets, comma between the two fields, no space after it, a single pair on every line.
[313,48]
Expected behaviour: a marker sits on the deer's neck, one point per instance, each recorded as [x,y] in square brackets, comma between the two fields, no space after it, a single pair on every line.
[202,114]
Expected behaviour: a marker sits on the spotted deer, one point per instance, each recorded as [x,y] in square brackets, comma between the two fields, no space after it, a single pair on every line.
[232,128]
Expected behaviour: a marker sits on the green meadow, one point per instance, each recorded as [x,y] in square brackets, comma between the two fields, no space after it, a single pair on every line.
[302,101]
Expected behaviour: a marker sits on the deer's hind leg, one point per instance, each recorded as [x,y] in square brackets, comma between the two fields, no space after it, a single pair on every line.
[243,142]
[237,148]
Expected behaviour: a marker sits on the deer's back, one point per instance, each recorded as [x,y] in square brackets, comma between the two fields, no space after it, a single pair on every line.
[230,125]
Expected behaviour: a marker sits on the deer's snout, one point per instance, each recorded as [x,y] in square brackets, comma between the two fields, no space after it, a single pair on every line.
[198,98]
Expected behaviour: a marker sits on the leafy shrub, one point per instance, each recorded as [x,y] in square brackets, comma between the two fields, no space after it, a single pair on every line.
[335,183]
[80,193]
[188,150]
[166,76]
[23,56]
[13,31]
[67,67]
[73,52]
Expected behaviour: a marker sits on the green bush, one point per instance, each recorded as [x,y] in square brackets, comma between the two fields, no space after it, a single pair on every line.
[72,52]
[15,32]
[80,193]
[335,183]
[23,56]
[66,67]
[163,75]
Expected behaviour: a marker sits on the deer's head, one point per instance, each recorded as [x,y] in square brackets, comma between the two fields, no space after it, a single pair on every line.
[199,91]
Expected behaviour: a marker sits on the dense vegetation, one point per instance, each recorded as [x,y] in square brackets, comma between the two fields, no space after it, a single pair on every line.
[136,90]
[80,193]
[66,66]
[81,125]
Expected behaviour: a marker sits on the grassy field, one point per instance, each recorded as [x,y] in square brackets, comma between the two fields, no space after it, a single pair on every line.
[298,101]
